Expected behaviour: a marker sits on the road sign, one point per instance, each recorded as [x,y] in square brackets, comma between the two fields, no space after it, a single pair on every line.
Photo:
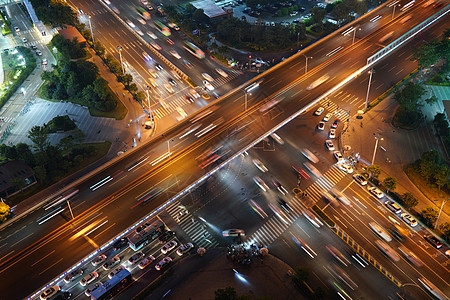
[195,31]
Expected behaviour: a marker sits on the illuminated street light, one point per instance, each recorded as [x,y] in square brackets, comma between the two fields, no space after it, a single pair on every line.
[440,211]
[248,90]
[368,88]
[376,146]
[306,65]
[92,32]
[393,10]
[149,106]
[121,61]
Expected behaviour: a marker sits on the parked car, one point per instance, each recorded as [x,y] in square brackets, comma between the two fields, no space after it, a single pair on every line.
[98,260]
[408,219]
[111,263]
[164,262]
[50,292]
[169,247]
[434,241]
[376,192]
[72,275]
[136,257]
[123,242]
[360,179]
[146,261]
[185,249]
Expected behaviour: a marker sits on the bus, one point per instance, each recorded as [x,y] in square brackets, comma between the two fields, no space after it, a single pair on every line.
[113,286]
[194,50]
[163,28]
[146,235]
[143,13]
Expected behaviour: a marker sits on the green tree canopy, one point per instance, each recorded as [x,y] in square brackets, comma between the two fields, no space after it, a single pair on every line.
[39,137]
[409,201]
[390,183]
[410,97]
[374,171]
[430,214]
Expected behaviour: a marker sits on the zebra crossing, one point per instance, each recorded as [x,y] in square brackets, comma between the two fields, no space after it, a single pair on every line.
[334,108]
[275,226]
[195,229]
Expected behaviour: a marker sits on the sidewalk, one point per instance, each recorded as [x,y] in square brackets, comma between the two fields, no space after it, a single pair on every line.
[214,271]
[399,147]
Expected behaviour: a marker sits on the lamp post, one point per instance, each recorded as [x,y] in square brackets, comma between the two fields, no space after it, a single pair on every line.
[440,211]
[92,32]
[368,88]
[375,149]
[306,65]
[298,39]
[354,34]
[249,89]
[393,10]
[121,61]
[149,106]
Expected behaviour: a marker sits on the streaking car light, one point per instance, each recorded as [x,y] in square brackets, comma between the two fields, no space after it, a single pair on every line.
[189,131]
[159,159]
[50,215]
[205,130]
[258,209]
[101,183]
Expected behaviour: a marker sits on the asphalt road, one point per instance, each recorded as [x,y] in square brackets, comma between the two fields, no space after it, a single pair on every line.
[179,165]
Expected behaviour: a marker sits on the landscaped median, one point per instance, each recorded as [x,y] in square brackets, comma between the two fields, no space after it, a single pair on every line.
[155,284]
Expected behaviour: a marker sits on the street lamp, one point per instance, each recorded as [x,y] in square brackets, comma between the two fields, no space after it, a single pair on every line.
[92,32]
[248,90]
[440,211]
[376,146]
[393,10]
[306,65]
[149,106]
[354,33]
[368,88]
[121,61]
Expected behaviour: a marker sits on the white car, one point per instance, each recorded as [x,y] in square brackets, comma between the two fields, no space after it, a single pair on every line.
[142,21]
[175,54]
[360,179]
[409,220]
[44,61]
[332,133]
[327,117]
[221,72]
[261,183]
[152,35]
[131,24]
[208,85]
[319,111]
[88,278]
[98,260]
[38,52]
[376,192]
[17,29]
[156,46]
[309,155]
[162,263]
[146,261]
[169,88]
[24,39]
[345,168]
[329,144]
[194,93]
[113,273]
[277,138]
[169,246]
[259,165]
[207,77]
[51,291]
[185,248]
[135,258]
[338,155]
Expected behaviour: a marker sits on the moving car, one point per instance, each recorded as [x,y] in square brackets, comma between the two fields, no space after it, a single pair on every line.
[380,231]
[159,67]
[376,192]
[50,292]
[309,155]
[259,165]
[208,85]
[360,179]
[341,197]
[146,261]
[277,138]
[387,250]
[434,241]
[88,278]
[319,111]
[16,29]
[24,39]
[165,261]
[136,257]
[171,81]
[111,263]
[312,169]
[185,248]
[169,88]
[410,256]
[155,45]
[321,125]
[279,187]
[175,54]
[113,273]
[44,61]
[337,154]
[408,219]
[329,144]
[170,41]
[72,275]
[98,260]
[146,56]
[207,77]
[345,168]
[221,72]
[169,246]
[152,35]
[233,232]
[261,183]
[38,52]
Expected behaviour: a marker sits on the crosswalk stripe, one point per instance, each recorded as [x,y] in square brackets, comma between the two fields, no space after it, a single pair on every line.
[273,228]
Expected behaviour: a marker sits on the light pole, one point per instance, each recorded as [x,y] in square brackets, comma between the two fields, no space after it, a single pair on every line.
[368,88]
[440,211]
[121,61]
[249,89]
[306,65]
[149,106]
[354,33]
[298,39]
[393,10]
[68,204]
[92,33]
[375,149]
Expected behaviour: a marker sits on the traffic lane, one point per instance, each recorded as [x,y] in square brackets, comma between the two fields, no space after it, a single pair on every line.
[350,222]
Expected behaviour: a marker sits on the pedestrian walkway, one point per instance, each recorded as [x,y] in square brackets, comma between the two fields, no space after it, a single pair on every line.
[276,225]
[195,229]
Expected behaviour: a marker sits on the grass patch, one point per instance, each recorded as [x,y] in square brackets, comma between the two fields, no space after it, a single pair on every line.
[323,216]
[101,149]
[155,284]
[429,190]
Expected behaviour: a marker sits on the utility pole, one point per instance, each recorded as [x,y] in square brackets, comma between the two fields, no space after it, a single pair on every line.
[368,88]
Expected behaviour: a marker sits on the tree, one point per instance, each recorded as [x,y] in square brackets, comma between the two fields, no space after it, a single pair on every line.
[5,211]
[78,136]
[390,183]
[317,15]
[127,79]
[101,88]
[374,171]
[133,87]
[445,229]
[39,137]
[19,183]
[409,201]
[227,293]
[441,176]
[426,54]
[141,96]
[430,214]
[99,49]
[410,97]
